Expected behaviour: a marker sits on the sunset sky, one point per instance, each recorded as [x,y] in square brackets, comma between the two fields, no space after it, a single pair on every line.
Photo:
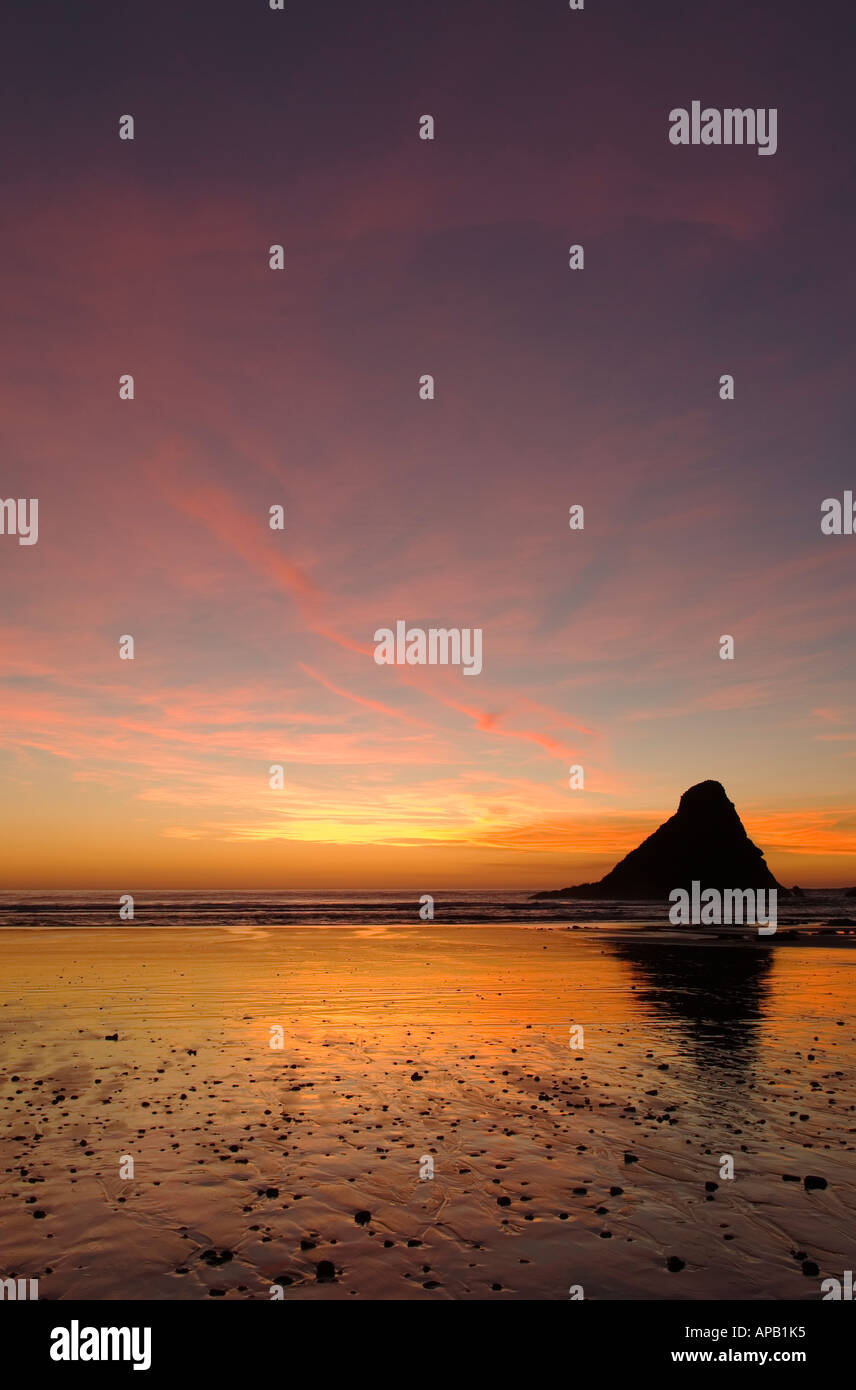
[553,387]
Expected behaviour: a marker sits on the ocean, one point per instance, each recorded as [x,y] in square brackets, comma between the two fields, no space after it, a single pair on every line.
[267,908]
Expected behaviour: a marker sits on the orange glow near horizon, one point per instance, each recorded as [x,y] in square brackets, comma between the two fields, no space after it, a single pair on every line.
[254,647]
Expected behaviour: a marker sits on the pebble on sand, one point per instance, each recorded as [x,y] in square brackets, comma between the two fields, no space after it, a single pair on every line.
[211,1257]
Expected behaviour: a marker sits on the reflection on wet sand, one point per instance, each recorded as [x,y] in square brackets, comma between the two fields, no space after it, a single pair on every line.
[553,1165]
[716,998]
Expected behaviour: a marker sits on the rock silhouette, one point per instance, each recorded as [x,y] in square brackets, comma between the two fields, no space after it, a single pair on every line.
[704,841]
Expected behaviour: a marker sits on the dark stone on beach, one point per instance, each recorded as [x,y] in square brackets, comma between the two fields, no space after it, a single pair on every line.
[711,1186]
[39,1215]
[284,1279]
[362,1218]
[674,1265]
[325,1272]
[703,841]
[271,1191]
[306,1244]
[810,1269]
[503,1201]
[616,1191]
[416,1077]
[812,1183]
[630,1158]
[210,1257]
[111,1037]
[790,1177]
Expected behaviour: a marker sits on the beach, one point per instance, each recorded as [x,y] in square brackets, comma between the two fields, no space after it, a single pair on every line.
[594,1168]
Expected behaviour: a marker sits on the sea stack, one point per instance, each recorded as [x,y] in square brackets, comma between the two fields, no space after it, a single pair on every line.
[703,841]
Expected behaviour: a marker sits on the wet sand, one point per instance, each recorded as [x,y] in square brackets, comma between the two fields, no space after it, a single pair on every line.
[553,1167]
